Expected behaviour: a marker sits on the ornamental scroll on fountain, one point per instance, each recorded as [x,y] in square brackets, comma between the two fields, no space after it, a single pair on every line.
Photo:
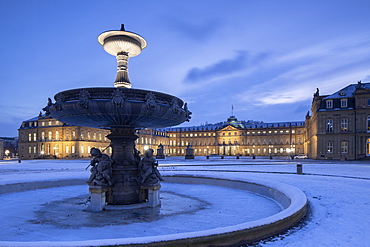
[125,177]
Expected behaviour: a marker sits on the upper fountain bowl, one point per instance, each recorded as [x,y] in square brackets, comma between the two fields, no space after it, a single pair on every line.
[117,41]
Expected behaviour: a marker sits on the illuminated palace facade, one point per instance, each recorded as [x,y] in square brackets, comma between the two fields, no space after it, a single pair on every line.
[45,137]
[337,128]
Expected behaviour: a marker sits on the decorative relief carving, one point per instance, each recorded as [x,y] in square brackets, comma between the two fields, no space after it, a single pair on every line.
[60,99]
[187,112]
[175,106]
[118,98]
[47,107]
[151,104]
[83,100]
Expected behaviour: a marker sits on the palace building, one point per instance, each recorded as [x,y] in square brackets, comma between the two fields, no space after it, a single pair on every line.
[45,137]
[337,128]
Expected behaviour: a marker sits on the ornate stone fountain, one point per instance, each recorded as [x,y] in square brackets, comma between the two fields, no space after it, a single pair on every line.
[123,110]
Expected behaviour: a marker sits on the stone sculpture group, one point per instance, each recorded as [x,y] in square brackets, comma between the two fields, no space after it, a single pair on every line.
[101,169]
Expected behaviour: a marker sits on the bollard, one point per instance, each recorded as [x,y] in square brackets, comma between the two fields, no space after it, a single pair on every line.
[222,157]
[299,168]
[237,157]
[19,160]
[207,157]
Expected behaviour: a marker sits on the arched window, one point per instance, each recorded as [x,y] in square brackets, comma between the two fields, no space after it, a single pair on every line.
[56,135]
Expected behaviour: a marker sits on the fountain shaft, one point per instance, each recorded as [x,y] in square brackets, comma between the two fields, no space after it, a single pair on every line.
[122,79]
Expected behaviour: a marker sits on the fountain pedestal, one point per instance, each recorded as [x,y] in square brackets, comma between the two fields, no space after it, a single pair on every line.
[125,188]
[152,193]
[98,197]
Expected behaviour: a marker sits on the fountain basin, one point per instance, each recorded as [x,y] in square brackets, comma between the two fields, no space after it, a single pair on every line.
[292,200]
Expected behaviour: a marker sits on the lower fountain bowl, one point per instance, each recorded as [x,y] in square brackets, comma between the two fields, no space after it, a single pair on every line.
[118,107]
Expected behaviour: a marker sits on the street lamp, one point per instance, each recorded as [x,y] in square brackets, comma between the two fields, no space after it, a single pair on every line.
[42,154]
[7,153]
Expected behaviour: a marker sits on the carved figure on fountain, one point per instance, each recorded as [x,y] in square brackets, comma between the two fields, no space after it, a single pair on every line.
[149,174]
[101,170]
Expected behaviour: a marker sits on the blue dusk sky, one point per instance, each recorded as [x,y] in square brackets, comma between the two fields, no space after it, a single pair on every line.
[264,57]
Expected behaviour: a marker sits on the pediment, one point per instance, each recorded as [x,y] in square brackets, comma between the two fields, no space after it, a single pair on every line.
[229,128]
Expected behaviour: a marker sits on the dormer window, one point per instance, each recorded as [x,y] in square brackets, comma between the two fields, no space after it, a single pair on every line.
[329,104]
[343,103]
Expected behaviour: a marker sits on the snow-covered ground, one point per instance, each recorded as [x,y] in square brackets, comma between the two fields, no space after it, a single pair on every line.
[338,194]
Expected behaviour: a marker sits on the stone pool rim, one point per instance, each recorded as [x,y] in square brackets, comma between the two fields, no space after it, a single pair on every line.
[292,199]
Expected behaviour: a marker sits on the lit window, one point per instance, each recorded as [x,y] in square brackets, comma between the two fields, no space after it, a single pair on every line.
[329,126]
[329,104]
[344,147]
[329,147]
[29,137]
[344,124]
[343,103]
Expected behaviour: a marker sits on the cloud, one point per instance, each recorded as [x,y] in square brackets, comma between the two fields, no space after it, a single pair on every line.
[242,62]
[198,31]
[329,66]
